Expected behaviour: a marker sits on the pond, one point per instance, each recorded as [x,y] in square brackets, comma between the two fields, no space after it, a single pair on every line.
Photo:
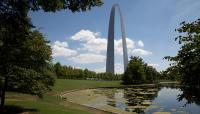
[144,99]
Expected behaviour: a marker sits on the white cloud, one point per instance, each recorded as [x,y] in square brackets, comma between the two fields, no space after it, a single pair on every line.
[91,41]
[140,43]
[77,67]
[119,68]
[88,58]
[84,35]
[118,45]
[153,64]
[140,52]
[62,49]
[100,70]
[97,45]
[61,44]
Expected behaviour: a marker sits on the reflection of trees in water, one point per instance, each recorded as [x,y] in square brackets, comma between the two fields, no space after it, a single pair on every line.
[111,97]
[139,98]
[169,85]
[192,95]
[135,99]
[110,94]
[139,111]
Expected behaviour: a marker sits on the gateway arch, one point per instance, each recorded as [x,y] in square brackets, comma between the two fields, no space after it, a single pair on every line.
[110,45]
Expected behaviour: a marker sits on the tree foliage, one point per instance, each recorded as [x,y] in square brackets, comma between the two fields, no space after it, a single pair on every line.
[170,73]
[68,72]
[138,71]
[48,5]
[187,60]
[135,71]
[189,95]
[151,73]
[25,57]
[28,67]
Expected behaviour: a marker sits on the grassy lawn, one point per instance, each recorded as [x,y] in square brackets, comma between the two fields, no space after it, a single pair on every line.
[47,105]
[64,85]
[52,103]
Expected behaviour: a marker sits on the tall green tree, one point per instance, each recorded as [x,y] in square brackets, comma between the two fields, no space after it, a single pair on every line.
[135,72]
[24,54]
[26,65]
[138,72]
[151,73]
[59,70]
[187,60]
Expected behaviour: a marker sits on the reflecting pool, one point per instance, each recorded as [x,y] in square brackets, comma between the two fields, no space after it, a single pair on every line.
[148,99]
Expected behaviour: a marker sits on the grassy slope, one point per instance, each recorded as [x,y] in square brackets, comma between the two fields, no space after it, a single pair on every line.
[52,104]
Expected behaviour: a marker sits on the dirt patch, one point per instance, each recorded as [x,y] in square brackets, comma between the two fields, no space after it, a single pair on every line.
[85,108]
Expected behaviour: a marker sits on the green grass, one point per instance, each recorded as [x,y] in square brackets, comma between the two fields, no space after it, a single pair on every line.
[63,85]
[52,103]
[48,105]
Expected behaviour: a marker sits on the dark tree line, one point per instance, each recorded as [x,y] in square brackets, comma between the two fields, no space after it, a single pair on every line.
[68,72]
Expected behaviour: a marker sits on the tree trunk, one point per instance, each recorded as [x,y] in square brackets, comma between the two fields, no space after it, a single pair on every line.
[3,92]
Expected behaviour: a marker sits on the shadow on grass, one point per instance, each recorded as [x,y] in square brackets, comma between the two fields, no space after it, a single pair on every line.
[11,109]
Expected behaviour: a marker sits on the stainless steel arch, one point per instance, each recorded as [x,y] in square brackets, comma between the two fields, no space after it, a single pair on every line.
[110,44]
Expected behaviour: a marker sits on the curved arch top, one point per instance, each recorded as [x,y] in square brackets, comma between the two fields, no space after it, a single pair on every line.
[110,44]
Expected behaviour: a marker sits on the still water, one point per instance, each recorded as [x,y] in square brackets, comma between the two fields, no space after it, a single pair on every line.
[140,99]
[162,99]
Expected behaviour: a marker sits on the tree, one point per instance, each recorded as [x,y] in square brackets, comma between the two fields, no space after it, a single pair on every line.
[13,34]
[151,73]
[187,60]
[59,70]
[135,72]
[138,72]
[27,68]
[171,73]
[49,5]
[189,95]
[22,55]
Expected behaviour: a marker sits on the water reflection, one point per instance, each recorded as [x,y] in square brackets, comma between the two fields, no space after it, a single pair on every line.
[168,98]
[139,98]
[192,95]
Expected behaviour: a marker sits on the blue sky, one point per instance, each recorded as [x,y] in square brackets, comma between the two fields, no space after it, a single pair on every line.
[79,39]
